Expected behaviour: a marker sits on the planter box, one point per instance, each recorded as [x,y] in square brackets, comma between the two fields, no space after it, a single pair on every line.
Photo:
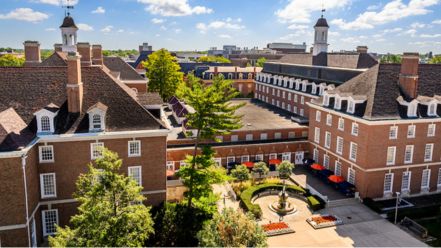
[321,221]
[275,229]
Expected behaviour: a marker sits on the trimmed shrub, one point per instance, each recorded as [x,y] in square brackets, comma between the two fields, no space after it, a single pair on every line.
[313,203]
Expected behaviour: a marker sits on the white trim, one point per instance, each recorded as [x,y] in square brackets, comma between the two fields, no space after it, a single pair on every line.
[42,193]
[289,90]
[130,173]
[138,142]
[94,145]
[12,227]
[40,154]
[103,135]
[390,190]
[43,218]
[394,153]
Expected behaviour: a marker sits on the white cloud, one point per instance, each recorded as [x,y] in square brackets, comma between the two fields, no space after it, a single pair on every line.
[99,10]
[392,30]
[299,11]
[157,21]
[224,36]
[157,35]
[416,25]
[107,29]
[120,31]
[297,26]
[430,35]
[50,29]
[228,23]
[56,2]
[437,21]
[392,11]
[84,27]
[426,43]
[178,30]
[411,32]
[25,14]
[374,6]
[163,27]
[174,8]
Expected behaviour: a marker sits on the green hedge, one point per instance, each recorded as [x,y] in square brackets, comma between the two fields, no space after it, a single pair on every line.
[314,202]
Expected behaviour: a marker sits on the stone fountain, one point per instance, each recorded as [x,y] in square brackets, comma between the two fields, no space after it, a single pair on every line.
[283,206]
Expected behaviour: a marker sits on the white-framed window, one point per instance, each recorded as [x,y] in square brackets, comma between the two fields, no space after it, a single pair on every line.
[425,179]
[317,135]
[351,176]
[351,107]
[283,105]
[46,154]
[329,119]
[273,102]
[259,157]
[231,159]
[263,136]
[49,221]
[405,181]
[315,155]
[289,96]
[438,181]
[291,135]
[278,93]
[353,151]
[411,131]
[135,173]
[283,94]
[354,130]
[325,100]
[48,185]
[96,122]
[96,150]
[296,98]
[391,154]
[431,110]
[318,116]
[302,112]
[302,100]
[338,168]
[45,123]
[341,124]
[337,104]
[388,183]
[134,148]
[431,130]
[278,103]
[249,137]
[170,165]
[295,109]
[326,161]
[428,152]
[339,148]
[234,138]
[244,158]
[393,132]
[408,154]
[288,107]
[328,139]
[286,156]
[218,162]
[272,156]
[277,135]
[412,109]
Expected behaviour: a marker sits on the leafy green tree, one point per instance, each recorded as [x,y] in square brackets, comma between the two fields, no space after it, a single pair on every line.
[260,62]
[232,229]
[213,115]
[285,169]
[163,73]
[9,60]
[111,212]
[260,168]
[391,59]
[435,60]
[241,173]
[214,59]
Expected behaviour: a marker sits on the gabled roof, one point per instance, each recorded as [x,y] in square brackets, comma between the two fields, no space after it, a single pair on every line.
[118,65]
[99,106]
[13,132]
[149,98]
[56,59]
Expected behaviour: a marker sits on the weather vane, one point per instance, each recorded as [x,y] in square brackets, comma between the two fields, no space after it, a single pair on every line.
[68,7]
[323,9]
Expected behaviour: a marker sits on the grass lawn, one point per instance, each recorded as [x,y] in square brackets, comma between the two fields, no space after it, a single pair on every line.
[433,225]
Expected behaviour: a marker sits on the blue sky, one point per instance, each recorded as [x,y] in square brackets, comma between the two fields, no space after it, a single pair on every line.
[384,26]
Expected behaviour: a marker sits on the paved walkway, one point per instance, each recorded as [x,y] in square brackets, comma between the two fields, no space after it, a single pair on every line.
[227,201]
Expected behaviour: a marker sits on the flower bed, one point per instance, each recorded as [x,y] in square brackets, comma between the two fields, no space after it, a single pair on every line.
[274,229]
[320,221]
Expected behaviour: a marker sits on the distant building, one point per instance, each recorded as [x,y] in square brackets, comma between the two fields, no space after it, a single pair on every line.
[287,48]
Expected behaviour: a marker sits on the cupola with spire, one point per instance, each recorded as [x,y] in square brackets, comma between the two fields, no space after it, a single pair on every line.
[320,36]
[69,32]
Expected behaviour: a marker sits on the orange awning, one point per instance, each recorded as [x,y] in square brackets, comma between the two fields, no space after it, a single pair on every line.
[274,161]
[336,179]
[248,164]
[317,167]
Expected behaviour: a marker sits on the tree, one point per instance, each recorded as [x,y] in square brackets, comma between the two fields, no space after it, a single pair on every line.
[9,60]
[213,115]
[163,73]
[435,60]
[213,59]
[260,168]
[285,169]
[391,59]
[241,173]
[232,229]
[111,212]
[260,62]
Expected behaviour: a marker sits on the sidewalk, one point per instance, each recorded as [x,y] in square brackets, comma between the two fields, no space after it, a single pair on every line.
[227,201]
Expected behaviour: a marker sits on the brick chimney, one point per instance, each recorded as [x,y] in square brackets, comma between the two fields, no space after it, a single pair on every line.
[58,47]
[215,70]
[409,74]
[32,53]
[362,49]
[85,51]
[97,55]
[74,85]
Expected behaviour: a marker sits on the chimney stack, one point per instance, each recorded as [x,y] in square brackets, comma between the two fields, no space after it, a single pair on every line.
[215,70]
[409,74]
[86,54]
[362,49]
[74,85]
[97,55]
[58,47]
[32,53]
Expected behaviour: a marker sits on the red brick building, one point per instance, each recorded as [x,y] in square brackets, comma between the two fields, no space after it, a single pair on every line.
[55,116]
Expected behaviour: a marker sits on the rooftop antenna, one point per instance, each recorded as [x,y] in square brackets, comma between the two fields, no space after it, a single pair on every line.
[68,7]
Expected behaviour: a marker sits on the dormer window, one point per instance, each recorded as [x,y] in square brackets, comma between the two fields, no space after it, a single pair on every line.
[431,110]
[314,89]
[351,107]
[97,114]
[45,123]
[326,100]
[412,109]
[45,119]
[337,104]
[304,85]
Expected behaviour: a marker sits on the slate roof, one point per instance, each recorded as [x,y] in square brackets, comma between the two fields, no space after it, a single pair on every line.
[13,132]
[68,22]
[321,22]
[343,60]
[56,59]
[126,72]
[149,98]
[143,56]
[29,89]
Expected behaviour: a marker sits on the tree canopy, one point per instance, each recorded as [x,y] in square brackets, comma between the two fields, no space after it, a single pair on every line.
[241,173]
[260,62]
[232,229]
[9,60]
[260,168]
[163,73]
[435,60]
[390,59]
[285,169]
[111,212]
[214,59]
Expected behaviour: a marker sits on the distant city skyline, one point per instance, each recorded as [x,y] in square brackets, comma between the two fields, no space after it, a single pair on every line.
[393,26]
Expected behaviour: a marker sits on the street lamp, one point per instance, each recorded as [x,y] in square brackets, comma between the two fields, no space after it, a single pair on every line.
[396,206]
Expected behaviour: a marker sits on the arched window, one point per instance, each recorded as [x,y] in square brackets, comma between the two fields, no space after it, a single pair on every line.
[211,75]
[240,75]
[96,122]
[230,75]
[45,124]
[135,90]
[65,39]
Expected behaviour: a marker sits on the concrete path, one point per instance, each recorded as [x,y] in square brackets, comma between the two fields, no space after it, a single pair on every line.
[224,202]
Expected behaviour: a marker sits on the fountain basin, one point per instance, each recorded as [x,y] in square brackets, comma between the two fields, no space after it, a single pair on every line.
[289,209]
